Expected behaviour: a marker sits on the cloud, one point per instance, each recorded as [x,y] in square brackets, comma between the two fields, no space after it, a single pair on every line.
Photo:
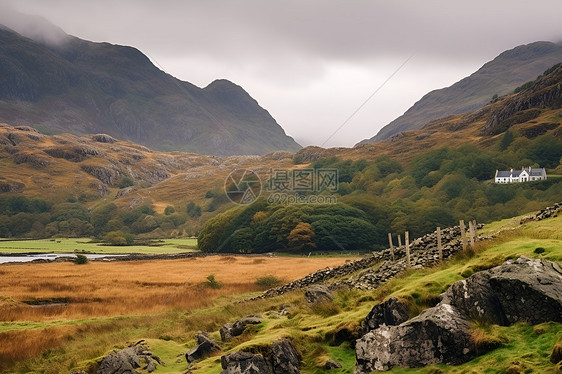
[311,63]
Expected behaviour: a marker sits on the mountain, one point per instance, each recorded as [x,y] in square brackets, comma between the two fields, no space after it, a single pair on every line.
[498,77]
[58,83]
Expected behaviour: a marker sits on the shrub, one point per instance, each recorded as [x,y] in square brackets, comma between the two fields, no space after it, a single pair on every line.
[539,250]
[269,281]
[212,282]
[81,259]
[126,182]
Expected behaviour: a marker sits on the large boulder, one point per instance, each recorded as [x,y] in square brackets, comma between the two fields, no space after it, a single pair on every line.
[318,294]
[391,312]
[280,357]
[284,357]
[439,334]
[127,360]
[239,326]
[226,332]
[521,290]
[205,348]
[245,363]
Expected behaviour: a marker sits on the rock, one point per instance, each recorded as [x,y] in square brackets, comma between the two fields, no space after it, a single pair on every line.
[239,326]
[279,358]
[245,363]
[127,360]
[438,335]
[522,290]
[331,364]
[205,348]
[124,191]
[317,294]
[226,332]
[103,138]
[391,312]
[284,357]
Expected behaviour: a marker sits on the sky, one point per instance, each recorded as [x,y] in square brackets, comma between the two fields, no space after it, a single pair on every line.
[313,63]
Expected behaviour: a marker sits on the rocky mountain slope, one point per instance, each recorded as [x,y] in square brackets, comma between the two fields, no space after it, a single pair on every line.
[92,167]
[59,83]
[497,77]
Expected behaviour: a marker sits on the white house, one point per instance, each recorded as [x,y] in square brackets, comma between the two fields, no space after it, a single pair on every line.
[516,176]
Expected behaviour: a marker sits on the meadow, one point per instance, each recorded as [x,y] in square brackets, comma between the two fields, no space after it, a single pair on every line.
[73,245]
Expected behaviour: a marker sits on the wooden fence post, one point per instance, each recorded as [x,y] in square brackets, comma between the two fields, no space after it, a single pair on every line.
[407,239]
[399,241]
[471,233]
[463,235]
[391,246]
[439,246]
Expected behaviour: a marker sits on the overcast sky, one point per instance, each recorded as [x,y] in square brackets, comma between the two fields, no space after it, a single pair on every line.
[311,64]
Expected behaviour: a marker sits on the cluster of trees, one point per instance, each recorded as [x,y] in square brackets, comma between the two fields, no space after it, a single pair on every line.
[35,218]
[436,189]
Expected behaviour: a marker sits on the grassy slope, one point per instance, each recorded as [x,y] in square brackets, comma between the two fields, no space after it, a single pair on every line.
[172,333]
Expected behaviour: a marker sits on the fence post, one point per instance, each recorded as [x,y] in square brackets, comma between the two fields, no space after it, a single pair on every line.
[399,241]
[439,247]
[407,239]
[471,233]
[463,235]
[391,246]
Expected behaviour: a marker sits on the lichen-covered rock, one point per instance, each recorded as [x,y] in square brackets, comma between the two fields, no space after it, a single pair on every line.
[226,332]
[205,348]
[390,312]
[127,360]
[245,363]
[284,357]
[318,294]
[280,357]
[240,325]
[521,290]
[439,334]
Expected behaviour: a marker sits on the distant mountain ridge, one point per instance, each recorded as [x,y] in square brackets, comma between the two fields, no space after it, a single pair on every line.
[60,83]
[497,77]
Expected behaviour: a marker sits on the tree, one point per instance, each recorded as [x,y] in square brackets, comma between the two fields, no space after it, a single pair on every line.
[301,237]
[169,210]
[506,139]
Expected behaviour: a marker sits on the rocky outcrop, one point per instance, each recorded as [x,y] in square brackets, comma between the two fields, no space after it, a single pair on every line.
[229,330]
[439,334]
[390,312]
[280,357]
[103,138]
[521,290]
[205,348]
[107,174]
[546,92]
[129,359]
[317,294]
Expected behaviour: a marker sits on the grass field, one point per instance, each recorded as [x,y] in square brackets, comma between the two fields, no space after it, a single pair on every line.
[70,245]
[76,336]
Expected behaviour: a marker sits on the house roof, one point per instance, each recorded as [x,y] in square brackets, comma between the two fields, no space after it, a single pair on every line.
[535,172]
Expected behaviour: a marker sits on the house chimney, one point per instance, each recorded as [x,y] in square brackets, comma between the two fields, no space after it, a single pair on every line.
[511,170]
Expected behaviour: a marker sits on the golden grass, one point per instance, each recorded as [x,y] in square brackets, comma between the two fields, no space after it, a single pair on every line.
[100,289]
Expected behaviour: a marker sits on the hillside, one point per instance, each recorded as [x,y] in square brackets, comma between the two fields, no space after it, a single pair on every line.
[69,85]
[498,77]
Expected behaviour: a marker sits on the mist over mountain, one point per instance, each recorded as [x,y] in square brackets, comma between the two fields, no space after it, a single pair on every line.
[59,83]
[497,77]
